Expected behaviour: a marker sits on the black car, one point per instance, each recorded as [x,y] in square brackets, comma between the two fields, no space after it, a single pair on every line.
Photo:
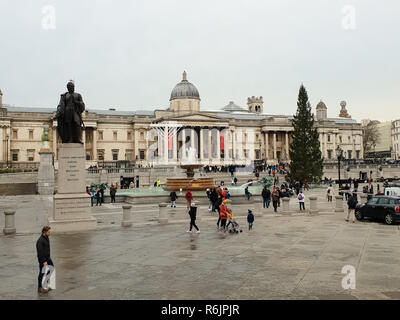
[381,208]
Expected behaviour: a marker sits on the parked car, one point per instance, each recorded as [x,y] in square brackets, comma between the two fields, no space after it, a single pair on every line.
[385,208]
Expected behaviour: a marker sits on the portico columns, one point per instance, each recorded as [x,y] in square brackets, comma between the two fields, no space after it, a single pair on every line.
[233,145]
[218,145]
[94,145]
[209,145]
[165,149]
[201,146]
[266,145]
[274,145]
[326,146]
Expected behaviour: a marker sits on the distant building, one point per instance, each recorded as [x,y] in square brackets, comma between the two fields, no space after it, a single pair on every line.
[395,139]
[230,135]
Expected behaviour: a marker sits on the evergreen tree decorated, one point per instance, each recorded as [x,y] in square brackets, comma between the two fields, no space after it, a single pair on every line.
[305,154]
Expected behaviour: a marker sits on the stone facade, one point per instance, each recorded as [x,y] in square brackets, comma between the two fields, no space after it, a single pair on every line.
[230,135]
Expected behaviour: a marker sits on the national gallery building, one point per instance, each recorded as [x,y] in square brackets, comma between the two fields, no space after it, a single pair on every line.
[233,135]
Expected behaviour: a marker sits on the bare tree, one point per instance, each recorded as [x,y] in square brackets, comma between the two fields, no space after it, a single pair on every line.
[370,136]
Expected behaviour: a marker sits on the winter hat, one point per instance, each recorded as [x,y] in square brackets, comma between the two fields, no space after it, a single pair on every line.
[224,201]
[250,211]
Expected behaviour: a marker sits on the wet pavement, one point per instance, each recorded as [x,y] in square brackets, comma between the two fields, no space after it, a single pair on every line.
[284,257]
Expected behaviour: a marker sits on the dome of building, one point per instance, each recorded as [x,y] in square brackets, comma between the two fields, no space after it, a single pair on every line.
[233,107]
[184,89]
[321,105]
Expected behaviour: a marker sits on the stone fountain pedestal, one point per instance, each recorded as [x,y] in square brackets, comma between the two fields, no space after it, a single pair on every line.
[191,181]
[71,204]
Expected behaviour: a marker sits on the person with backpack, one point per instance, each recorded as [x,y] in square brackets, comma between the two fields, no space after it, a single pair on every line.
[300,197]
[188,197]
[173,198]
[98,197]
[329,193]
[351,204]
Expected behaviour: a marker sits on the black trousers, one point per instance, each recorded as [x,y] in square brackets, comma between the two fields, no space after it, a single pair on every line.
[193,224]
[113,198]
[302,205]
[40,277]
[275,204]
[223,223]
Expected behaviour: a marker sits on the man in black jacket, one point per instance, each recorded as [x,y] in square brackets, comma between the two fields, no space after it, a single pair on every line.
[192,213]
[43,255]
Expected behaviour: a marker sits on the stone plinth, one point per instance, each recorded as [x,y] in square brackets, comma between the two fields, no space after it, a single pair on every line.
[46,173]
[9,223]
[71,205]
[339,204]
[313,205]
[285,205]
[162,213]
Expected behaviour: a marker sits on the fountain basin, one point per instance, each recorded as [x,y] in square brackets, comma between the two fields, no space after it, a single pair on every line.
[189,183]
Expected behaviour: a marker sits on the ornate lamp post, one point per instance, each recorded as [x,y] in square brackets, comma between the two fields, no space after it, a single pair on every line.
[339,154]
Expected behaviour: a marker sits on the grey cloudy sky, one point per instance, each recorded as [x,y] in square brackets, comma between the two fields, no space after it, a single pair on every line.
[130,54]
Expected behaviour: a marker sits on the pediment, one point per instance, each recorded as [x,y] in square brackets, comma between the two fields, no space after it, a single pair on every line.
[194,117]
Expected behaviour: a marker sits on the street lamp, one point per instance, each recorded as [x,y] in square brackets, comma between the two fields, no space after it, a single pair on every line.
[7,137]
[339,154]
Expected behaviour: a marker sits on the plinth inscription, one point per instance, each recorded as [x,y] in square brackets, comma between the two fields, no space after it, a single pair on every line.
[71,172]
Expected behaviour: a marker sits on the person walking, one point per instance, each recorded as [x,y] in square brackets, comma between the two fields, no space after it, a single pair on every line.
[223,215]
[351,204]
[43,255]
[329,193]
[213,199]
[113,191]
[98,197]
[266,195]
[173,198]
[275,199]
[300,197]
[250,219]
[188,197]
[192,213]
[247,193]
[102,194]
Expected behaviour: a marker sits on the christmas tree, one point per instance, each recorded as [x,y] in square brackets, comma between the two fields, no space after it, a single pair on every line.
[306,162]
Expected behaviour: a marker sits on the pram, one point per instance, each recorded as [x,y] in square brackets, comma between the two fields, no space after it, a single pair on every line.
[234,227]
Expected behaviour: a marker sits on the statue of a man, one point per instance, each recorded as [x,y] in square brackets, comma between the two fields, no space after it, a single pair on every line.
[68,115]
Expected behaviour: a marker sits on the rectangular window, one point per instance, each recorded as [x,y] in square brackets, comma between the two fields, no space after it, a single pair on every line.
[349,153]
[31,134]
[128,155]
[141,135]
[115,135]
[129,135]
[358,154]
[100,155]
[14,154]
[115,155]
[329,138]
[141,154]
[15,134]
[31,155]
[329,154]
[257,154]
[246,153]
[88,156]
[340,139]
[100,135]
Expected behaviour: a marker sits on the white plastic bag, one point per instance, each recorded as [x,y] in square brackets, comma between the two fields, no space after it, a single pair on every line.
[49,280]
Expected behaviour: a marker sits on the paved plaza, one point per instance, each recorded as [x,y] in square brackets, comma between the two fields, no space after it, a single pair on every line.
[294,256]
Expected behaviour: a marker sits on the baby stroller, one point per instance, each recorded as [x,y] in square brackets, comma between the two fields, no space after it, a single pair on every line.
[234,227]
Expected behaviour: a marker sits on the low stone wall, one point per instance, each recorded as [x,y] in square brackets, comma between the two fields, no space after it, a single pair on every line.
[14,189]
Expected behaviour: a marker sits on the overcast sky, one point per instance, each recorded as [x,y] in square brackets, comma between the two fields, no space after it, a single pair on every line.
[130,54]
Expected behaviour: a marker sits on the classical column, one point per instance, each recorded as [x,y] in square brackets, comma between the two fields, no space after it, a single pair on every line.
[320,143]
[266,145]
[233,146]
[201,145]
[174,137]
[218,145]
[287,145]
[94,144]
[326,146]
[8,132]
[275,145]
[209,145]
[165,144]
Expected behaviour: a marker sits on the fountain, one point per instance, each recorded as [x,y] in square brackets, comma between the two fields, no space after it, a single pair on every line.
[190,181]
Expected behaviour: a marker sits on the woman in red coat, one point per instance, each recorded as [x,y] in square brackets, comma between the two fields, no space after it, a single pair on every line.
[188,197]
